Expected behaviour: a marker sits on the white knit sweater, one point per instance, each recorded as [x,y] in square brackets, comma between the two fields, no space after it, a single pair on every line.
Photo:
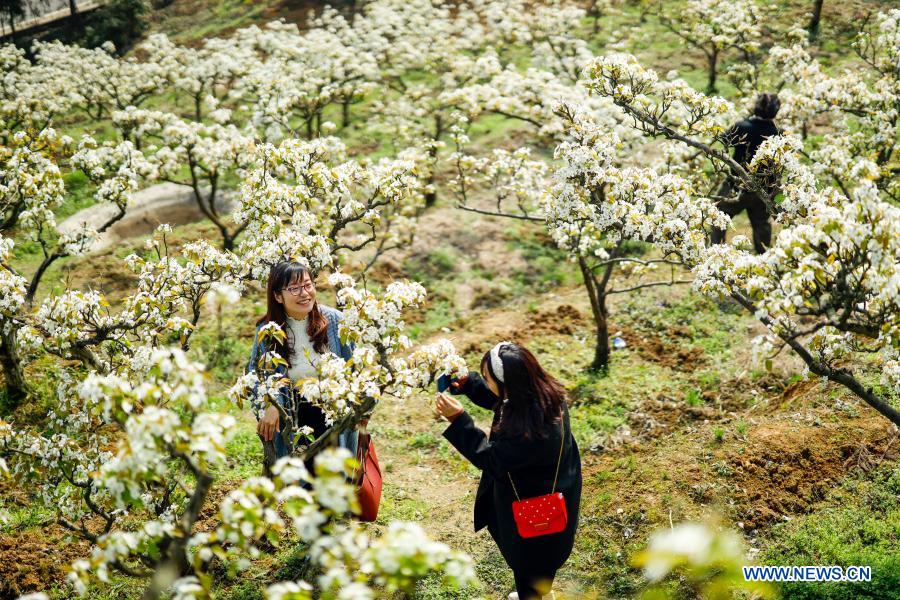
[302,364]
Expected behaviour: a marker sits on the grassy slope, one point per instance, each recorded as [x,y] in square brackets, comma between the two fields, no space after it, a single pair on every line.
[785,459]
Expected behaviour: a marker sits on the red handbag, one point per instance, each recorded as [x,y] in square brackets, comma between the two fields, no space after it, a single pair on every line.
[368,481]
[541,515]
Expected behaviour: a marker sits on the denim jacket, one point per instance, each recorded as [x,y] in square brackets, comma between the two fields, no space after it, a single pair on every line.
[346,439]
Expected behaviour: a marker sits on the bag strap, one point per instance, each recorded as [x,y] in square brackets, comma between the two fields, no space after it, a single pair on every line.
[562,444]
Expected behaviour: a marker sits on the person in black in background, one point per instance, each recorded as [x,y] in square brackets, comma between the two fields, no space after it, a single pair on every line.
[745,138]
[530,444]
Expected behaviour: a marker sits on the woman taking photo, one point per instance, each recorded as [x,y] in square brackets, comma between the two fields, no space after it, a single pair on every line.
[311,330]
[529,456]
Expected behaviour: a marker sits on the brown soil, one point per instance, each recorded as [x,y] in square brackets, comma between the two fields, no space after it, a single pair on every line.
[730,400]
[770,389]
[655,347]
[106,272]
[661,415]
[208,519]
[386,270]
[493,326]
[479,241]
[31,562]
[778,470]
[293,11]
[784,470]
[565,319]
[34,562]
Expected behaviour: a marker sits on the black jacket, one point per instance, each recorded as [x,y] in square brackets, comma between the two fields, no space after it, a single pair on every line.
[532,465]
[747,135]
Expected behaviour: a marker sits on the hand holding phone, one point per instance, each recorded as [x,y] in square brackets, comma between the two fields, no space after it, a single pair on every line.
[447,384]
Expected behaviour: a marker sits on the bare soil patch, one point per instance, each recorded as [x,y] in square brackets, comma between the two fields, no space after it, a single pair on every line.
[784,470]
[656,348]
[31,561]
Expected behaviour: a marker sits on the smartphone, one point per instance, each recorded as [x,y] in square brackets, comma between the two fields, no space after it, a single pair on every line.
[443,383]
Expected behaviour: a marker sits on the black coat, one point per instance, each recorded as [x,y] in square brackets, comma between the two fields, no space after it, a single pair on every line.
[747,135]
[532,465]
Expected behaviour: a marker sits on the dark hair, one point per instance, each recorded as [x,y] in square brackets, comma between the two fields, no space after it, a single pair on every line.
[535,398]
[766,106]
[281,276]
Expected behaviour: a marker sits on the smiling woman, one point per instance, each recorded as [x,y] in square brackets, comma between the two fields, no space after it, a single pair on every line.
[311,331]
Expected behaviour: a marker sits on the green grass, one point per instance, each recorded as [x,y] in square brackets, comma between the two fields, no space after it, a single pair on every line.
[212,19]
[433,588]
[244,453]
[24,517]
[493,572]
[441,313]
[396,505]
[117,588]
[79,194]
[860,525]
[248,590]
[440,264]
[601,402]
[548,266]
[693,398]
[424,440]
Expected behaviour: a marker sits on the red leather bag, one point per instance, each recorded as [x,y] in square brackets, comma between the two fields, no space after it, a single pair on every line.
[541,515]
[368,481]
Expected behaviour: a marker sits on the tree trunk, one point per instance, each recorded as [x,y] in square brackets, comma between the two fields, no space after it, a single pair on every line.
[813,26]
[712,62]
[12,23]
[73,9]
[597,294]
[16,387]
[601,350]
[345,113]
[176,564]
[36,278]
[431,197]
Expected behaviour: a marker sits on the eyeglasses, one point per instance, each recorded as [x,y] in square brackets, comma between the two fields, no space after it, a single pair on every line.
[295,290]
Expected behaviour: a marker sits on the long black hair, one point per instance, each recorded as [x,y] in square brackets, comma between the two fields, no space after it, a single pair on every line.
[282,275]
[534,397]
[766,106]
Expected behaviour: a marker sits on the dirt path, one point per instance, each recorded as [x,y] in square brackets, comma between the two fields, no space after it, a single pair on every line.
[162,203]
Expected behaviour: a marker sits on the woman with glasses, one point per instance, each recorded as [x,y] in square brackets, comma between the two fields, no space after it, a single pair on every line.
[311,330]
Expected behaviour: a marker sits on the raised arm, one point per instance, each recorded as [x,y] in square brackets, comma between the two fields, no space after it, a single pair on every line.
[477,390]
[497,457]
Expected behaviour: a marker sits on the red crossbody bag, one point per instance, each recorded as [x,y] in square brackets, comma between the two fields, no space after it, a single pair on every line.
[541,515]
